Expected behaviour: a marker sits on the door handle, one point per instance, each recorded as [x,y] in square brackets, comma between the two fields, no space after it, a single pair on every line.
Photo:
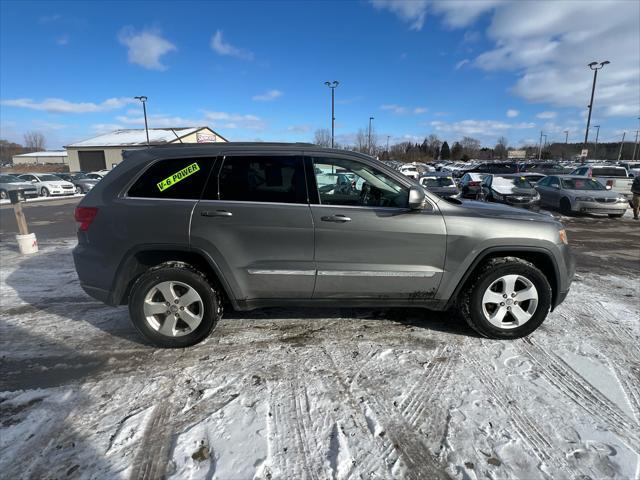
[217,213]
[336,219]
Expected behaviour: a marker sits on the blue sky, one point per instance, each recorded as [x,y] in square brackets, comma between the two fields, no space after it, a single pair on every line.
[255,70]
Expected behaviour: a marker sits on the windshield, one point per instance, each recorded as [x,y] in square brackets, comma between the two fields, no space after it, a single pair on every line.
[581,184]
[80,176]
[10,179]
[434,182]
[49,178]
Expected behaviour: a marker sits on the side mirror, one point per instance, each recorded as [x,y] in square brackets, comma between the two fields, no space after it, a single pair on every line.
[416,198]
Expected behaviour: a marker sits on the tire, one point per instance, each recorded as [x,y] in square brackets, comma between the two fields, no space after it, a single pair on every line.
[3,195]
[565,206]
[180,277]
[44,192]
[473,306]
[616,215]
[79,190]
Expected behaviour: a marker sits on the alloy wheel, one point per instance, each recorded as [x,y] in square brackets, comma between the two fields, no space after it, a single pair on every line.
[173,308]
[510,301]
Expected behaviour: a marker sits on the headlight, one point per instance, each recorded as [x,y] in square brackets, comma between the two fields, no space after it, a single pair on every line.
[585,199]
[622,199]
[563,236]
[536,196]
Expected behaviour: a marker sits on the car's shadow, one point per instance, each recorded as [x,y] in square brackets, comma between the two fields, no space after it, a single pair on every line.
[46,282]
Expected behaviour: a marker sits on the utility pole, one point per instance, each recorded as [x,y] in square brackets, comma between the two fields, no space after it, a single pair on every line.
[566,141]
[388,144]
[621,145]
[595,67]
[143,99]
[595,149]
[370,119]
[332,86]
[635,146]
[540,147]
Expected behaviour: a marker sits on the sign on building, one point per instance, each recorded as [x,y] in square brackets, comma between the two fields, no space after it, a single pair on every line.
[205,138]
[517,154]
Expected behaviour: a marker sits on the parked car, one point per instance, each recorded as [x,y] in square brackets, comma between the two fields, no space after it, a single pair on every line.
[471,185]
[47,184]
[513,190]
[496,168]
[80,180]
[9,183]
[532,178]
[441,184]
[633,168]
[410,171]
[95,175]
[546,168]
[578,194]
[177,231]
[611,176]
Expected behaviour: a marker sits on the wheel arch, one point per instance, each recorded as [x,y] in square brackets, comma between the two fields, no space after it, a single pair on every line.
[540,257]
[143,257]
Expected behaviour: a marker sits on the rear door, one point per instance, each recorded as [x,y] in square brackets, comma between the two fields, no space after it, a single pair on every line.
[255,222]
[368,243]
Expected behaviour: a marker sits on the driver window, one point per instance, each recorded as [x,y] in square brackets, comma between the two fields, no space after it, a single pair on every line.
[554,182]
[350,183]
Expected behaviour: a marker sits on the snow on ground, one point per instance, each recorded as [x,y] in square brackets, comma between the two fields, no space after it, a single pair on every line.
[323,393]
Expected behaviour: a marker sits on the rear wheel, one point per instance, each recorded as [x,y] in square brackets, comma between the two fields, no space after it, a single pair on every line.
[508,298]
[44,192]
[174,306]
[565,206]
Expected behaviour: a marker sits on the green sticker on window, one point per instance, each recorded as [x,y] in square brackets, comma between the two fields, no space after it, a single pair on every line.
[176,177]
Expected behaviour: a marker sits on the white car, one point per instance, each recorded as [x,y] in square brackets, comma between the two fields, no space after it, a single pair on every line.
[410,171]
[48,184]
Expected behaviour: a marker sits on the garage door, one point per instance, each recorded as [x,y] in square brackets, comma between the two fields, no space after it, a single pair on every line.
[92,160]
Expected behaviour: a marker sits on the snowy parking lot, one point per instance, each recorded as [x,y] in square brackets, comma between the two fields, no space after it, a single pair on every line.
[324,393]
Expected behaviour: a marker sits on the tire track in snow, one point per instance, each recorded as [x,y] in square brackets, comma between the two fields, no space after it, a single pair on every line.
[573,386]
[151,459]
[527,429]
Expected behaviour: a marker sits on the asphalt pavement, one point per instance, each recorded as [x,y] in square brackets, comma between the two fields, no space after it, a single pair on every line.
[49,220]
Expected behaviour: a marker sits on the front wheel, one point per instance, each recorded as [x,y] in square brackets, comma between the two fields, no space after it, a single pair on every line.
[44,192]
[174,306]
[508,298]
[79,190]
[3,195]
[565,206]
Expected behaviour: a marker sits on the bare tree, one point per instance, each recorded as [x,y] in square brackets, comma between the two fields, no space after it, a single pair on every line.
[470,146]
[322,137]
[34,141]
[500,149]
[362,141]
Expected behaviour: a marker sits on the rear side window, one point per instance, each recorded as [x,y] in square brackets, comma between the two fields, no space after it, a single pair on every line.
[608,172]
[176,178]
[269,179]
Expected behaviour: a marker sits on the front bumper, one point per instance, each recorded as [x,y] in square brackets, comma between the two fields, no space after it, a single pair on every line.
[598,207]
[62,191]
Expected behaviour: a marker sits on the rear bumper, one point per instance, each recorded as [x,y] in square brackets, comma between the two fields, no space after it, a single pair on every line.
[597,207]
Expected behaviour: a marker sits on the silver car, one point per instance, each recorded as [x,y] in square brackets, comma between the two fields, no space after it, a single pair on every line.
[11,182]
[576,194]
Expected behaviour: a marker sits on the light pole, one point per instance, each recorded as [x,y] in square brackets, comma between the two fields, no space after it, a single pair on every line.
[332,86]
[595,67]
[621,145]
[566,141]
[595,148]
[540,144]
[635,145]
[389,136]
[370,119]
[143,99]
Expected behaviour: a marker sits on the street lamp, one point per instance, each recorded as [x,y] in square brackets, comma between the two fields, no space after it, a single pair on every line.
[390,135]
[370,119]
[332,86]
[540,144]
[143,99]
[595,66]
[595,149]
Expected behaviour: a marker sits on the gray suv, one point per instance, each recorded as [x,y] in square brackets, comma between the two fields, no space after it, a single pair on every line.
[176,232]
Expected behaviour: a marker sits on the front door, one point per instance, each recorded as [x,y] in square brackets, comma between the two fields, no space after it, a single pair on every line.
[255,222]
[368,242]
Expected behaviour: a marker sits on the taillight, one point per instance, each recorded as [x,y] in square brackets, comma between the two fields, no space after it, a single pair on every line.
[85,215]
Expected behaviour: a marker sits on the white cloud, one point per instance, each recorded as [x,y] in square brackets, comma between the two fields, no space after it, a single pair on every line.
[145,48]
[100,128]
[267,96]
[547,115]
[512,113]
[62,40]
[234,120]
[160,121]
[299,128]
[462,63]
[400,110]
[221,47]
[413,12]
[58,105]
[44,125]
[482,128]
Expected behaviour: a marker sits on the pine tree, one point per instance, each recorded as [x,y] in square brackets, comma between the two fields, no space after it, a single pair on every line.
[445,153]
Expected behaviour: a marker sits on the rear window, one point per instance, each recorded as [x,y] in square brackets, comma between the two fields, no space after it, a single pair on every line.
[608,172]
[269,179]
[176,178]
[435,182]
[581,184]
[517,182]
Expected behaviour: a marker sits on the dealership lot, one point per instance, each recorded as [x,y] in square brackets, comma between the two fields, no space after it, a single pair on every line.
[340,392]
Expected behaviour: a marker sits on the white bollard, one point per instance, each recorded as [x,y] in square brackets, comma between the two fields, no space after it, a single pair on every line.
[27,243]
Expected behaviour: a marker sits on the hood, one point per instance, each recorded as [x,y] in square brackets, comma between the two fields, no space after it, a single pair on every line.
[88,181]
[499,210]
[513,190]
